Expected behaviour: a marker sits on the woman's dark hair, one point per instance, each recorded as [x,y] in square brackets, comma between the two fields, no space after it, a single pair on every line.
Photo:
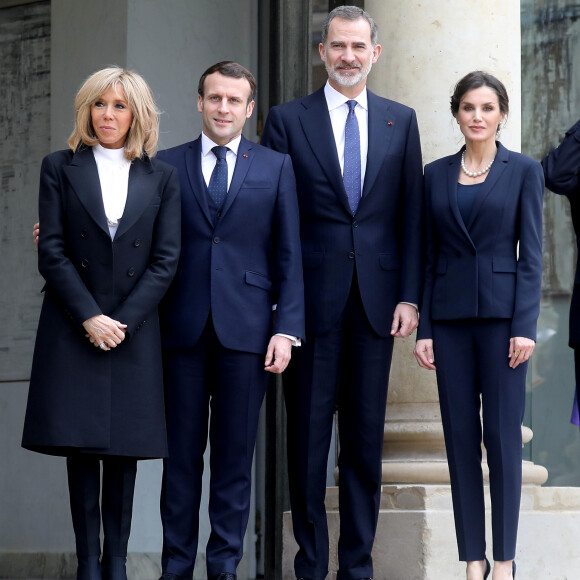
[475,80]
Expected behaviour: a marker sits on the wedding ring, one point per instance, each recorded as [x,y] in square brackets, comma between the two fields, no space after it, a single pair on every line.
[102,345]
[517,352]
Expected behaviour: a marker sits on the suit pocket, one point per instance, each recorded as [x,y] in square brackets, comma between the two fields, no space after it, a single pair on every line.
[389,261]
[441,266]
[502,264]
[258,280]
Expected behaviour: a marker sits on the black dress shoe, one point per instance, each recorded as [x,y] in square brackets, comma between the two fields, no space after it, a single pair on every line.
[514,568]
[487,569]
[226,576]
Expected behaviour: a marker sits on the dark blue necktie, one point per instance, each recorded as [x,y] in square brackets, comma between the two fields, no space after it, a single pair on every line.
[351,173]
[218,183]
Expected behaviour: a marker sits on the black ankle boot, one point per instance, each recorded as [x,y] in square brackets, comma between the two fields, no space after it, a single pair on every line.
[88,568]
[114,568]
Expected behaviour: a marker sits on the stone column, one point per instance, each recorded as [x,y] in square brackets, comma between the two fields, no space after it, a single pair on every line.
[426,50]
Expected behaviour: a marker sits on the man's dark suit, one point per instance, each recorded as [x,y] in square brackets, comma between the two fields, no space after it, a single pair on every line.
[562,173]
[217,322]
[356,270]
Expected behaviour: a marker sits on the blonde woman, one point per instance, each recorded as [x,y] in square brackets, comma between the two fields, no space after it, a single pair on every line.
[110,242]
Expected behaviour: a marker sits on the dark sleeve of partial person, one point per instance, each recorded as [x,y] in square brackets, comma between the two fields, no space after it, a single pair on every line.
[562,165]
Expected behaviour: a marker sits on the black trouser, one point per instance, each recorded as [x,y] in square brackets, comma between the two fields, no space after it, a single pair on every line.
[118,485]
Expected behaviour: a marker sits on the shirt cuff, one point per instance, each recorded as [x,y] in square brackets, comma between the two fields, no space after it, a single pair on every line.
[295,341]
[410,304]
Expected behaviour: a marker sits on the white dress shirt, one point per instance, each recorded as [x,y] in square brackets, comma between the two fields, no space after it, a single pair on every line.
[338,111]
[113,168]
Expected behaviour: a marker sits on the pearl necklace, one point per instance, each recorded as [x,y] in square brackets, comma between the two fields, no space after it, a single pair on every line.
[474,173]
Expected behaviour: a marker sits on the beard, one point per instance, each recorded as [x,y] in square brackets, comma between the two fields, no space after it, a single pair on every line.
[348,78]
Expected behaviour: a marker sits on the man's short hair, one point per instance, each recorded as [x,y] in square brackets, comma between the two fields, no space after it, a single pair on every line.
[351,13]
[229,68]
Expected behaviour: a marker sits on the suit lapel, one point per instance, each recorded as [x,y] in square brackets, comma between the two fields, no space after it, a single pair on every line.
[143,184]
[244,159]
[83,176]
[195,175]
[498,167]
[452,177]
[316,125]
[380,134]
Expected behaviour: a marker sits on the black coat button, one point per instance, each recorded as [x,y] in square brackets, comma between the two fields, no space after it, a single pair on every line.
[131,272]
[216,240]
[137,243]
[85,263]
[351,255]
[355,224]
[84,234]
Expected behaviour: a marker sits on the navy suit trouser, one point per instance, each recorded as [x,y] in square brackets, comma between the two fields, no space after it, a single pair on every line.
[473,373]
[231,384]
[346,368]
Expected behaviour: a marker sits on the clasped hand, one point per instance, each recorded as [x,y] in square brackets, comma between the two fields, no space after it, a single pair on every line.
[104,332]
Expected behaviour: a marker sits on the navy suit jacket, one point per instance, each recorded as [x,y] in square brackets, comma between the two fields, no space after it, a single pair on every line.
[562,172]
[474,270]
[242,264]
[384,238]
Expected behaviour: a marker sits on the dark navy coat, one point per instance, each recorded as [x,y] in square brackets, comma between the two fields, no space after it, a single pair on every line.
[562,172]
[83,398]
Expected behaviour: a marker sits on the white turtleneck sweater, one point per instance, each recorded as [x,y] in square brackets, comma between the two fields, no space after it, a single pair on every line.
[113,169]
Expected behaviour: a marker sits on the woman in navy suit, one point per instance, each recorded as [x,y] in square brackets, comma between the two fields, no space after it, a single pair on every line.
[109,248]
[479,313]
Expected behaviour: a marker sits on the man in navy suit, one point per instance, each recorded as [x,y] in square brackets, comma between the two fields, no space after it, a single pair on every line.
[357,159]
[240,258]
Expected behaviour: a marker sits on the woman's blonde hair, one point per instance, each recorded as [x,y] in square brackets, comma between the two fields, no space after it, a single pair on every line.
[144,130]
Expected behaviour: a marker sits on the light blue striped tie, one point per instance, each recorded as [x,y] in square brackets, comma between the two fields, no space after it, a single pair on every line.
[352,171]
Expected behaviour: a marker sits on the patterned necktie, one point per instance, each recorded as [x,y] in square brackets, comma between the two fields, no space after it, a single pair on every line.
[351,172]
[218,183]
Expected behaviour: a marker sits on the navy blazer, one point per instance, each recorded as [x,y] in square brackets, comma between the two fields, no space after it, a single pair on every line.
[384,238]
[562,173]
[474,270]
[242,264]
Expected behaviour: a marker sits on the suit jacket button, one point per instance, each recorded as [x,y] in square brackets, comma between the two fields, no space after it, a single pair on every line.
[85,263]
[216,240]
[351,255]
[84,234]
[219,214]
[355,224]
[137,243]
[131,272]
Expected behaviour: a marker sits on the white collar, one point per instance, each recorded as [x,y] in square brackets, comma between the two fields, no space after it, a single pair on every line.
[334,99]
[207,144]
[113,156]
